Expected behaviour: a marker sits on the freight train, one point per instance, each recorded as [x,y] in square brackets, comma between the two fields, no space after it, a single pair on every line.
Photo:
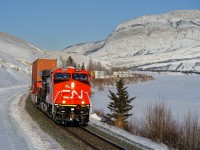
[62,93]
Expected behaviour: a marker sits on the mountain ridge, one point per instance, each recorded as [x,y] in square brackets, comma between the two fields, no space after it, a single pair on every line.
[149,40]
[165,42]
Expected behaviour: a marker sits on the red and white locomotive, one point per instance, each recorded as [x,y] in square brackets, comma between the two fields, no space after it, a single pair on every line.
[62,93]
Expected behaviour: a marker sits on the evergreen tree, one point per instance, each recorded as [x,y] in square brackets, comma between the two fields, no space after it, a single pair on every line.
[120,105]
[83,66]
[90,65]
[63,64]
[70,62]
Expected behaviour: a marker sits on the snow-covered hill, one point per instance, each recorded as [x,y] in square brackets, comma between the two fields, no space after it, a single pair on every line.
[166,42]
[16,57]
[157,42]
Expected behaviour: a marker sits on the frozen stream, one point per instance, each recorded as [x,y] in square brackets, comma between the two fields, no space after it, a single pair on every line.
[181,93]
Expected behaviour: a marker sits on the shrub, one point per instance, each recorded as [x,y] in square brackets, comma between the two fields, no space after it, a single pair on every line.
[133,126]
[190,132]
[99,112]
[160,126]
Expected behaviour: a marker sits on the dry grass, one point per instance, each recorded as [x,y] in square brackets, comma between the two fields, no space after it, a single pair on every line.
[133,126]
[99,112]
[100,84]
[190,132]
[159,125]
[120,121]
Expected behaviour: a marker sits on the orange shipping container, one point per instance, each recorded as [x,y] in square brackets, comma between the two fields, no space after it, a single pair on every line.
[42,64]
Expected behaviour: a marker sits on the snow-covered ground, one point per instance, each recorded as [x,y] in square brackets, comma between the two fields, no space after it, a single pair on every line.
[17,130]
[180,92]
[140,142]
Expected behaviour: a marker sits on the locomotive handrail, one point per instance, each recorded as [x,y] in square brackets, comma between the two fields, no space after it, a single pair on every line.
[89,102]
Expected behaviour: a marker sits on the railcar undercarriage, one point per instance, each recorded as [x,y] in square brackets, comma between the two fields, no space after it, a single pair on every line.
[71,114]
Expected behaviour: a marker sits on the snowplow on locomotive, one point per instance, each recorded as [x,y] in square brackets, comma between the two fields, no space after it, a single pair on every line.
[62,93]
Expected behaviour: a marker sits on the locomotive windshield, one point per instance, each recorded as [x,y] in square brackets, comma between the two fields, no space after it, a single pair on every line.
[61,76]
[81,77]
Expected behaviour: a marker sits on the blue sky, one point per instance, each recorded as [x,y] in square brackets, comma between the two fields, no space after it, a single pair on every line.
[56,24]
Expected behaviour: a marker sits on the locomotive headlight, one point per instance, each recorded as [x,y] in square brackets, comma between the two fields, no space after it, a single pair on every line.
[63,101]
[83,102]
[72,85]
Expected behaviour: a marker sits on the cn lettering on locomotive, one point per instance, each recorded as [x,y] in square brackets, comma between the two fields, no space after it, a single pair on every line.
[73,93]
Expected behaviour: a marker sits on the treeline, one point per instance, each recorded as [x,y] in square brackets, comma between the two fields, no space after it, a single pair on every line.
[100,84]
[70,62]
[98,66]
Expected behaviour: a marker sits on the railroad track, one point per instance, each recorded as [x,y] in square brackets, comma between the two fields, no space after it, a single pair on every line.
[91,139]
[49,126]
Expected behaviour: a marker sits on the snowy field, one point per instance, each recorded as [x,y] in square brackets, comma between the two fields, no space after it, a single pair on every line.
[19,131]
[180,92]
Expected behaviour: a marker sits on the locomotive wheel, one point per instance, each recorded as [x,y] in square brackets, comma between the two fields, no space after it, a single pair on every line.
[54,119]
[36,105]
[83,121]
[54,116]
[84,124]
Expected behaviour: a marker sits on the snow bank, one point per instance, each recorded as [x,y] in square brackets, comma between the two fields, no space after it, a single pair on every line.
[140,142]
[35,136]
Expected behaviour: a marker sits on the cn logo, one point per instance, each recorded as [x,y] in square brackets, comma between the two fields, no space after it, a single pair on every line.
[73,93]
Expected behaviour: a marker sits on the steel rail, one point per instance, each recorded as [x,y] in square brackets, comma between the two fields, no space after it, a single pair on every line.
[82,140]
[90,144]
[106,140]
